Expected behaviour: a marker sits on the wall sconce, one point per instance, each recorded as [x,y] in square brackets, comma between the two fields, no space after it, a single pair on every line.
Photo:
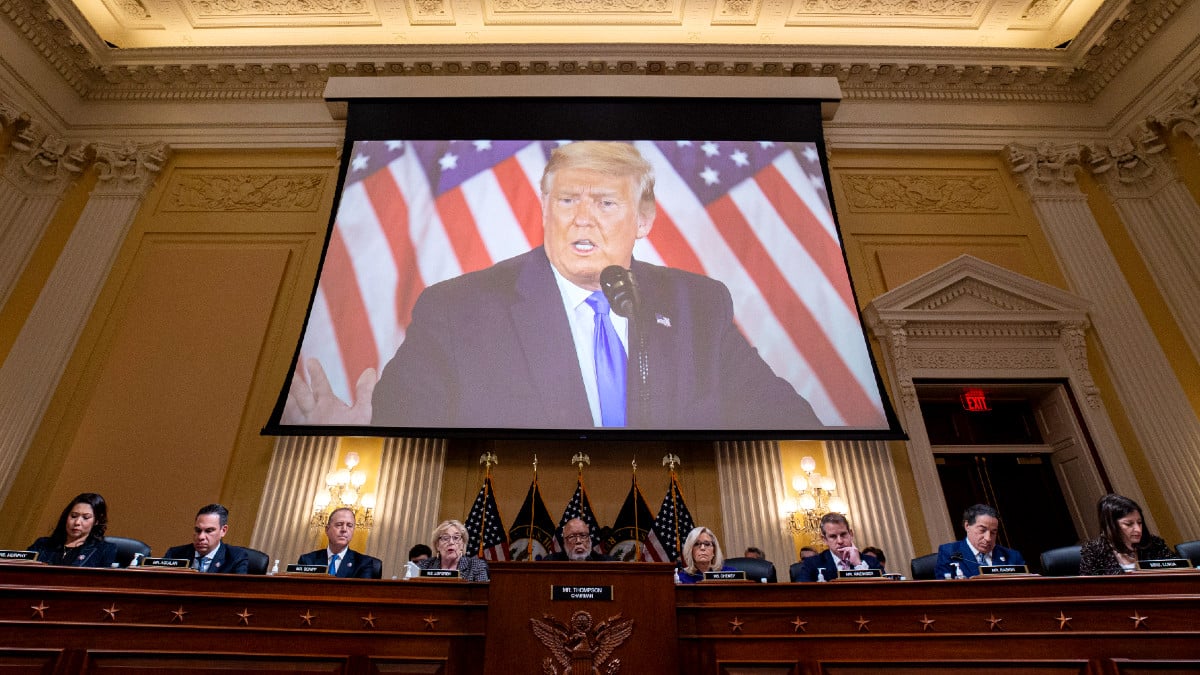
[341,492]
[814,498]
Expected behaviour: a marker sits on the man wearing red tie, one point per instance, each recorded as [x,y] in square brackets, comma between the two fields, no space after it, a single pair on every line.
[841,556]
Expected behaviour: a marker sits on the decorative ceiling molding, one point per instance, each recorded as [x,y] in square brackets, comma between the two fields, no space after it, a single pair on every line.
[98,72]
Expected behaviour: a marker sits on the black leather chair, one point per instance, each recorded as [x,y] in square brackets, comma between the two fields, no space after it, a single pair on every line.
[377,569]
[1190,550]
[259,561]
[756,569]
[922,567]
[1061,562]
[127,548]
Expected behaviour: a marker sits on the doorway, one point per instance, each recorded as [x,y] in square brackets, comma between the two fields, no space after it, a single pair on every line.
[1019,447]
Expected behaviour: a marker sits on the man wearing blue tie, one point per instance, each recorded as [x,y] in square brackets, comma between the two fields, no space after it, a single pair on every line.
[979,548]
[341,560]
[207,552]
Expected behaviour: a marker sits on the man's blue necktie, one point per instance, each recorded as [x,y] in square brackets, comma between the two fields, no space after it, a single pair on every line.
[333,565]
[610,364]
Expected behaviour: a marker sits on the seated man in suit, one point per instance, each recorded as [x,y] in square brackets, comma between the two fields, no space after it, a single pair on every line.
[577,543]
[206,551]
[343,561]
[979,548]
[842,554]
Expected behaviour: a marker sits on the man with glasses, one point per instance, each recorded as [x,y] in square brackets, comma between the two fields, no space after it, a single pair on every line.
[577,544]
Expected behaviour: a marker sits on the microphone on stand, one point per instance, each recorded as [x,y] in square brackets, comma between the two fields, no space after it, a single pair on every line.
[623,296]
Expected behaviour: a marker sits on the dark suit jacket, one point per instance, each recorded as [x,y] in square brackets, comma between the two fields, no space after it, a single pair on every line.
[970,567]
[229,559]
[493,349]
[93,553]
[354,565]
[806,570]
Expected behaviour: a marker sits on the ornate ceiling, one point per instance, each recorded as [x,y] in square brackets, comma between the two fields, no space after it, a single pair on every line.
[1001,50]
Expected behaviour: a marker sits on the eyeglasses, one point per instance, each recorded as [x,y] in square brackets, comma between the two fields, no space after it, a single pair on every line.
[448,538]
[577,537]
[702,544]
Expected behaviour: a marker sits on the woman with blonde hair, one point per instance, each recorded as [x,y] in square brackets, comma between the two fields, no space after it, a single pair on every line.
[450,549]
[701,553]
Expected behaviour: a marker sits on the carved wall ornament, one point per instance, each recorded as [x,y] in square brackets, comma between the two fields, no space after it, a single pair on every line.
[133,9]
[430,12]
[1183,117]
[210,9]
[873,193]
[953,9]
[1073,337]
[41,163]
[578,648]
[992,358]
[987,293]
[736,12]
[244,192]
[611,9]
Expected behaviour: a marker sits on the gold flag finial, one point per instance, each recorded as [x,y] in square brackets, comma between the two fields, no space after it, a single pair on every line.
[489,459]
[579,460]
[671,461]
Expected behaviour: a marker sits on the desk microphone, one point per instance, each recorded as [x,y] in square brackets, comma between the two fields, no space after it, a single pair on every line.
[621,290]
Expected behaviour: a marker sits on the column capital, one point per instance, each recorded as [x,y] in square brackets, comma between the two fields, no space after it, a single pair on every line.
[1047,170]
[1132,167]
[39,164]
[1183,117]
[129,169]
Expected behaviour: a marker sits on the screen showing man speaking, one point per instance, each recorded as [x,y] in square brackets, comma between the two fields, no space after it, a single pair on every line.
[586,285]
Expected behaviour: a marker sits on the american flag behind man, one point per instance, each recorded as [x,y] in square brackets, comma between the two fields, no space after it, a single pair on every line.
[579,507]
[674,521]
[485,529]
[753,215]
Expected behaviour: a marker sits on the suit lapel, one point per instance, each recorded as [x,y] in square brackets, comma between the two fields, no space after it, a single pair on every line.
[546,344]
[345,564]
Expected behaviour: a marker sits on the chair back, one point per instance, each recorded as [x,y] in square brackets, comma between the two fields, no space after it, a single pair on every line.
[922,567]
[127,548]
[259,562]
[377,569]
[1190,550]
[1061,562]
[756,569]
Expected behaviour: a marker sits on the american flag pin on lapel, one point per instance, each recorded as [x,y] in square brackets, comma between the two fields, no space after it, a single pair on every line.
[662,320]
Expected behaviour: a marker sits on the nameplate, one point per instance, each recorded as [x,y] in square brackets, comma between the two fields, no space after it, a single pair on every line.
[308,569]
[1165,564]
[18,556]
[439,574]
[730,575]
[985,570]
[167,563]
[581,592]
[860,574]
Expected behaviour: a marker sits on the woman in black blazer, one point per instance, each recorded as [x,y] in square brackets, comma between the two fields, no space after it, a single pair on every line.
[78,539]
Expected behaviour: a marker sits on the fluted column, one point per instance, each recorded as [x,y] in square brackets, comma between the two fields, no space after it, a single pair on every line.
[36,173]
[409,497]
[1161,416]
[1163,220]
[41,350]
[752,492]
[866,479]
[298,468]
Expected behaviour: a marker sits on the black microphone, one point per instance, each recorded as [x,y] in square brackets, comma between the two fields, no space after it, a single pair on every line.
[620,289]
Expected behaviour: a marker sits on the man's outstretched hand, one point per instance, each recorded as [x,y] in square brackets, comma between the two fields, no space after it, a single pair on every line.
[313,402]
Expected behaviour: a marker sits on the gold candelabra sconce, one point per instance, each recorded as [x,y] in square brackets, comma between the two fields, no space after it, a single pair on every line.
[341,491]
[815,496]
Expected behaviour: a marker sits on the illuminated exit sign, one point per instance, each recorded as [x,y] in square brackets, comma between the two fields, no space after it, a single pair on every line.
[974,400]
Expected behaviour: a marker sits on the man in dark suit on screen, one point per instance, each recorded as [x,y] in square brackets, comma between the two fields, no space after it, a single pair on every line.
[342,560]
[532,342]
[207,551]
[981,522]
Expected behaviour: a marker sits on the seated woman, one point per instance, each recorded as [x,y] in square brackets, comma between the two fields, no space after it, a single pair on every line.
[1123,539]
[78,539]
[701,553]
[450,547]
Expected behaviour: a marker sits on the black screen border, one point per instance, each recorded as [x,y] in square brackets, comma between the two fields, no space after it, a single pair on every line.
[580,118]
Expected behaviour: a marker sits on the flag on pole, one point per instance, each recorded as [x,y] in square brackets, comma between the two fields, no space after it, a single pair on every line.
[485,529]
[674,521]
[632,537]
[579,507]
[532,533]
[753,215]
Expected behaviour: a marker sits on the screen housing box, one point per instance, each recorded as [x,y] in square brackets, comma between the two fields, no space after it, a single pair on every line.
[339,91]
